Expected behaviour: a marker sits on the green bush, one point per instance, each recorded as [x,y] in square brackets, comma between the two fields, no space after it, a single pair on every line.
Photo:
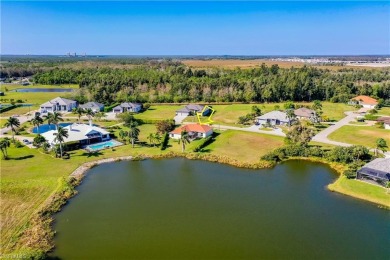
[165,141]
[350,174]
[205,142]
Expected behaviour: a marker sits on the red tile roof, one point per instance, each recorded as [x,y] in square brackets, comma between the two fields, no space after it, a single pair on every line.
[366,100]
[192,128]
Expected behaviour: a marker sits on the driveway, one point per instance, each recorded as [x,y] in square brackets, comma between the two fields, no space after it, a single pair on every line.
[22,119]
[323,135]
[179,119]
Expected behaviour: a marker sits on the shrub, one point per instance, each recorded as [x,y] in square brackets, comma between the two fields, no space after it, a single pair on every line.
[350,174]
[205,142]
[18,144]
[165,141]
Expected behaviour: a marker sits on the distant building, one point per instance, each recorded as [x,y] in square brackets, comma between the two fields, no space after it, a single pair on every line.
[385,120]
[306,113]
[273,118]
[127,107]
[191,109]
[376,171]
[82,133]
[194,131]
[58,104]
[365,101]
[95,106]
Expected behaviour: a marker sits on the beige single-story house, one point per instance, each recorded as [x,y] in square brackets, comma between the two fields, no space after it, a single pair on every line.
[194,131]
[306,113]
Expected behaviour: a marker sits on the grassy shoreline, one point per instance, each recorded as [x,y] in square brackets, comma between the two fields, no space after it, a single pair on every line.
[35,237]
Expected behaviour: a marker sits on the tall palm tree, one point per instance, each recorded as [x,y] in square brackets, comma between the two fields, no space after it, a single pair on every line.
[290,115]
[13,123]
[133,132]
[54,118]
[184,139]
[79,111]
[37,121]
[89,113]
[4,144]
[61,134]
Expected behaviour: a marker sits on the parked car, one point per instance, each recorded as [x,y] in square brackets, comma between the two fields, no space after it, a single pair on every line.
[25,141]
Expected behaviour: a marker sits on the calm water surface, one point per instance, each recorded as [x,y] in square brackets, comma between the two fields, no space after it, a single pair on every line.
[183,209]
[43,90]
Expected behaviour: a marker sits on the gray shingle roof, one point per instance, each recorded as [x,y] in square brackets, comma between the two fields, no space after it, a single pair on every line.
[274,115]
[92,105]
[379,164]
[59,100]
[304,112]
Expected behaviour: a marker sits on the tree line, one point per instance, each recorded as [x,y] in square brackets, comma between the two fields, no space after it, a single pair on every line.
[168,82]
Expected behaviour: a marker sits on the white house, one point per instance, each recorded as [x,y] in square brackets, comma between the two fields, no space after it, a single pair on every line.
[58,104]
[95,106]
[127,107]
[191,109]
[194,131]
[82,133]
[364,101]
[273,118]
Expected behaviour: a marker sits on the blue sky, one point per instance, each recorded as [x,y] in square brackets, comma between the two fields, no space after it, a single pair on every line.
[196,28]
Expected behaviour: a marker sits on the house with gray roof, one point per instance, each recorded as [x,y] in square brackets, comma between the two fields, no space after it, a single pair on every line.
[376,171]
[127,107]
[273,118]
[191,109]
[94,106]
[306,113]
[58,104]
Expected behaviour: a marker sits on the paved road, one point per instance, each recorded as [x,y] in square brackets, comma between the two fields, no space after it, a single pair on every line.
[323,135]
[253,129]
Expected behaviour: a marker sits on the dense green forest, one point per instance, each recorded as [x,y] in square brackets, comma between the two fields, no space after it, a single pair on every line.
[167,81]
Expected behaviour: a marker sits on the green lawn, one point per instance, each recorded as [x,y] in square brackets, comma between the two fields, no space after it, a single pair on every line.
[8,87]
[361,190]
[159,112]
[384,111]
[244,146]
[361,135]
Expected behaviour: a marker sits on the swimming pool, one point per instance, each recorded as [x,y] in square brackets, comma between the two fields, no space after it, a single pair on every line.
[45,128]
[103,145]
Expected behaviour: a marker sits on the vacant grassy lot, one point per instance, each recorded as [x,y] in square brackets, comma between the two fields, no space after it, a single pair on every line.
[244,146]
[362,135]
[384,111]
[9,87]
[159,112]
[361,190]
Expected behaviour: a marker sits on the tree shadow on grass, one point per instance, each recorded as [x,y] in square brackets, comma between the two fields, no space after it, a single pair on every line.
[22,157]
[92,154]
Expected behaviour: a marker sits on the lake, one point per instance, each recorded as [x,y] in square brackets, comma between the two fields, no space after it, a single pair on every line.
[185,209]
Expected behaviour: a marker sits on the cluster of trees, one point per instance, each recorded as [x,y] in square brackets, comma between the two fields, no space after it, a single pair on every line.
[250,117]
[179,83]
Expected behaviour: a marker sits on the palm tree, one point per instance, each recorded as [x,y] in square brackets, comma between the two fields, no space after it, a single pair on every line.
[133,132]
[151,138]
[89,113]
[157,138]
[79,111]
[184,139]
[290,115]
[13,123]
[60,135]
[37,121]
[54,118]
[381,145]
[4,144]
[99,115]
[122,135]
